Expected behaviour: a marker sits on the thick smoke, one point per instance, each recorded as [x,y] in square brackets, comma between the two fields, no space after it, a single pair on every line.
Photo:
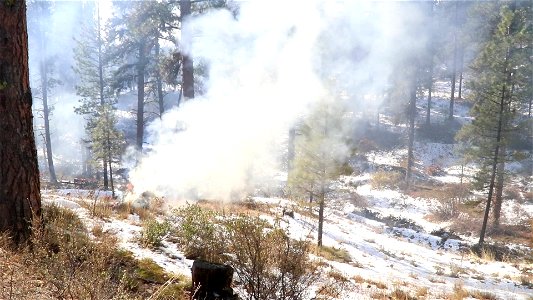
[52,26]
[267,67]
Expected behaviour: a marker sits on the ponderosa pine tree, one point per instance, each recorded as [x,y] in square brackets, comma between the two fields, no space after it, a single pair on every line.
[136,34]
[107,141]
[502,72]
[96,93]
[20,198]
[320,154]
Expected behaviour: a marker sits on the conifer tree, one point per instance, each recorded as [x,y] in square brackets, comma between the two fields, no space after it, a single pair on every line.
[136,34]
[94,71]
[20,196]
[502,73]
[106,139]
[320,154]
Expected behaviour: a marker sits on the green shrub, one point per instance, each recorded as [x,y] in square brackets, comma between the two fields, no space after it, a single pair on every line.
[199,234]
[153,233]
[268,263]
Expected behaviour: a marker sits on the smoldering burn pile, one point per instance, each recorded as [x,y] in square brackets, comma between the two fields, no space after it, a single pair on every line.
[268,67]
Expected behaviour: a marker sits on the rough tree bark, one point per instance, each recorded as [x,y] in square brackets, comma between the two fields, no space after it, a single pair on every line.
[20,198]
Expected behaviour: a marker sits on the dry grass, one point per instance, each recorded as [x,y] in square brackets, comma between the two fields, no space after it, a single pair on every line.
[459,292]
[247,207]
[125,209]
[99,208]
[399,294]
[333,254]
[380,285]
[62,262]
[18,279]
[483,295]
[335,287]
[422,292]
[337,276]
[358,279]
[487,254]
[467,224]
[385,179]
[98,230]
[526,280]
[513,234]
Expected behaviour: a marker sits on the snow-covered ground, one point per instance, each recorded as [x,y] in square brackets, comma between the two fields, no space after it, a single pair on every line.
[408,257]
[390,241]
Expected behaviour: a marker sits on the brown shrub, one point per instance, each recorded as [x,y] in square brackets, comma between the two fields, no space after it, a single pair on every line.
[268,261]
[384,179]
[434,170]
[62,262]
[513,193]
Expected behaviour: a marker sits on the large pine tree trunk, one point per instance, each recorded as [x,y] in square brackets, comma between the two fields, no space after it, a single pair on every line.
[20,198]
[188,67]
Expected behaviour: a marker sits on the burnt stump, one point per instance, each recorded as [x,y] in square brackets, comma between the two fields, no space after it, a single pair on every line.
[212,281]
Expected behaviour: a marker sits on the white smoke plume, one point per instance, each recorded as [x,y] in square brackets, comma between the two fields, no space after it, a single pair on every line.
[267,67]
